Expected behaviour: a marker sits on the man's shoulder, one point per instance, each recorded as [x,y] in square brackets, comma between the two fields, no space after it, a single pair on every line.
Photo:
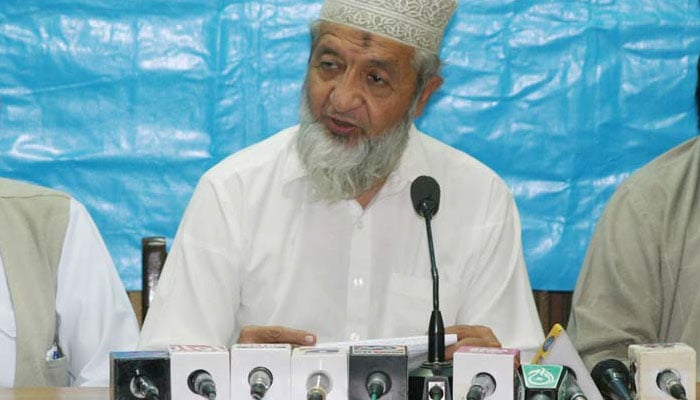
[456,163]
[251,159]
[10,188]
[667,169]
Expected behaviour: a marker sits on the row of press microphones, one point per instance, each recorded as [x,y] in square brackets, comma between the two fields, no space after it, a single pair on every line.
[261,371]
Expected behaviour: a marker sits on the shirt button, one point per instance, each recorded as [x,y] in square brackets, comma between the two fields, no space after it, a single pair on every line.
[358,282]
[359,224]
[354,337]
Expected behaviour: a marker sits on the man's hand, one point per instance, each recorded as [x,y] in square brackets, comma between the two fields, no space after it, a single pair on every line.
[276,334]
[470,335]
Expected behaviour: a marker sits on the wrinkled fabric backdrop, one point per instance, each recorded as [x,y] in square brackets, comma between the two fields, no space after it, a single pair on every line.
[124,104]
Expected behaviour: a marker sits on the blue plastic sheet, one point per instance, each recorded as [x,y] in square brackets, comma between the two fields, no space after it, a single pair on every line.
[125,104]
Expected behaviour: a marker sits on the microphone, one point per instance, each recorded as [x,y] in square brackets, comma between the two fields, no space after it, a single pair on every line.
[481,372]
[425,196]
[378,372]
[139,375]
[261,371]
[571,389]
[612,379]
[143,387]
[259,379]
[199,371]
[319,373]
[483,386]
[318,386]
[661,370]
[201,383]
[378,384]
[669,381]
[542,382]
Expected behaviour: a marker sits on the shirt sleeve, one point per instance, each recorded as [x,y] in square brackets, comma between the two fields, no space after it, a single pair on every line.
[95,315]
[198,295]
[616,300]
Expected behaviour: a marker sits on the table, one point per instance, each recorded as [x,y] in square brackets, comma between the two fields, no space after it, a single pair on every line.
[91,393]
[55,394]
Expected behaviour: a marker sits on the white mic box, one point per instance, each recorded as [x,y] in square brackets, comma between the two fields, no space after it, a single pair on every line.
[500,363]
[647,360]
[558,349]
[308,362]
[276,357]
[188,359]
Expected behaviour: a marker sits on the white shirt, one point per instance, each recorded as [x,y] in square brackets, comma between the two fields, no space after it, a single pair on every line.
[95,313]
[255,248]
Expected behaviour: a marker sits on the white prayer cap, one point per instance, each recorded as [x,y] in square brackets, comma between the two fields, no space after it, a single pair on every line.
[417,23]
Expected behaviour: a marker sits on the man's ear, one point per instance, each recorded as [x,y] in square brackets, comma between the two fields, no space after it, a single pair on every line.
[434,82]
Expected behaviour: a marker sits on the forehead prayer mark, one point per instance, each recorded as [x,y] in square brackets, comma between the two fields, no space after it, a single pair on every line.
[366,40]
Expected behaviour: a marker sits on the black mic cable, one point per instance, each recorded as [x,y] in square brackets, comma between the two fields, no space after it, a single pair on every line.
[200,382]
[670,382]
[483,386]
[143,388]
[378,384]
[260,380]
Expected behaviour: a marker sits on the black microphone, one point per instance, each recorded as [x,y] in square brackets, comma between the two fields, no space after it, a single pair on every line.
[612,378]
[425,195]
[572,391]
[669,381]
[140,375]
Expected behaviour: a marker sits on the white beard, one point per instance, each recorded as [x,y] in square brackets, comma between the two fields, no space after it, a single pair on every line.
[344,169]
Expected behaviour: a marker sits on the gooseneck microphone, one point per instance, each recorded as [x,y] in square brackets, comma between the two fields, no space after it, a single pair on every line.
[201,383]
[425,195]
[669,381]
[612,378]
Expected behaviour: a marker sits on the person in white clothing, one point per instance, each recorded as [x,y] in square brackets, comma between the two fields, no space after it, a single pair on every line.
[63,307]
[311,234]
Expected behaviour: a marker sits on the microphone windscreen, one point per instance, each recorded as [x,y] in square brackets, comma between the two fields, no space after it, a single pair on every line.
[425,191]
[613,379]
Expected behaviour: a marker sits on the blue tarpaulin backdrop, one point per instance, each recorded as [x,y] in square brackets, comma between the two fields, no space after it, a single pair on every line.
[124,104]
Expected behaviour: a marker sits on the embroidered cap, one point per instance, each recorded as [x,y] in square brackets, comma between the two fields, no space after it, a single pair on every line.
[417,23]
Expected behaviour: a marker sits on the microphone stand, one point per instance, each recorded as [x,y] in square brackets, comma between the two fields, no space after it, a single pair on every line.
[435,366]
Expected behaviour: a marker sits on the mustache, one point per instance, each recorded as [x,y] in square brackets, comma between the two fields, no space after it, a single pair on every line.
[343,119]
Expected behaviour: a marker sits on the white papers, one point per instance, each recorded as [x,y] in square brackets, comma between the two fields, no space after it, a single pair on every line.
[416,346]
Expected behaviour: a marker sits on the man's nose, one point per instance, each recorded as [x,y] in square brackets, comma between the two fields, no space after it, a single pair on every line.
[346,95]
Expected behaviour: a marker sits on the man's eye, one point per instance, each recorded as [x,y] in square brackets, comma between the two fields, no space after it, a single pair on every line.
[376,79]
[327,65]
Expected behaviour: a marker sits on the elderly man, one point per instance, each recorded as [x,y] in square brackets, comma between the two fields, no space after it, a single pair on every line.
[311,234]
[62,305]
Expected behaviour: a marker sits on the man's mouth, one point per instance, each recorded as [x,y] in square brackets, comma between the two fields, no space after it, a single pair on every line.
[340,127]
